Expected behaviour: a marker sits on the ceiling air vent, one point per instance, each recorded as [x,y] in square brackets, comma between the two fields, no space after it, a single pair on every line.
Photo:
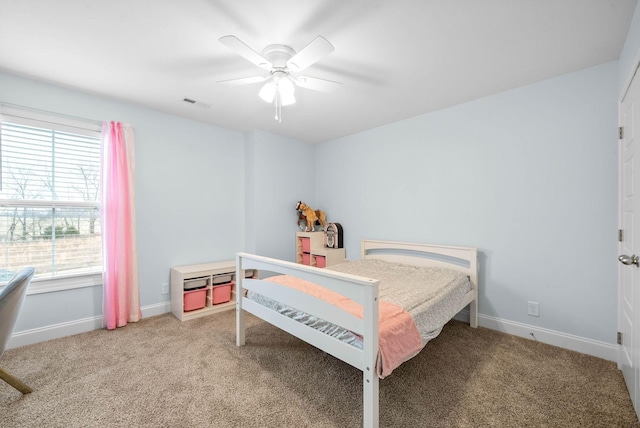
[195,103]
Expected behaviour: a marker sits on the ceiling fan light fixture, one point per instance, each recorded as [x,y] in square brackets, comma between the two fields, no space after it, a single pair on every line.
[286,91]
[268,92]
[280,60]
[279,91]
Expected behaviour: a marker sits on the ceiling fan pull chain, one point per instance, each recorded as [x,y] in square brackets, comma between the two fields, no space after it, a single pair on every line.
[278,103]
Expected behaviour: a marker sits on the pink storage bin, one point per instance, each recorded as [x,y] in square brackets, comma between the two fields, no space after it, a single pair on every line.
[321,261]
[306,245]
[306,259]
[221,293]
[194,299]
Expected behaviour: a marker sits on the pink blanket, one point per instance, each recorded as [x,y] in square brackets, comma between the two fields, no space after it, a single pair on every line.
[399,338]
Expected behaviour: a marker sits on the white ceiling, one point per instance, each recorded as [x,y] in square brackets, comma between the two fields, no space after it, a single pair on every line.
[395,59]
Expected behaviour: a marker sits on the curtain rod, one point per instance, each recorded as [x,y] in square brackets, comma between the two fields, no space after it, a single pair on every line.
[83,119]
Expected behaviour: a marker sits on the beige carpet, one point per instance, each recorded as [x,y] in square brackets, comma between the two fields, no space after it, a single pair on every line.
[164,373]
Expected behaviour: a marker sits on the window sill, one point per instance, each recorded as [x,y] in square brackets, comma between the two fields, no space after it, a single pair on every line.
[70,282]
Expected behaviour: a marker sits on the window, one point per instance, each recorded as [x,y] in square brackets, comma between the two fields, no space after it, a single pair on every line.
[49,196]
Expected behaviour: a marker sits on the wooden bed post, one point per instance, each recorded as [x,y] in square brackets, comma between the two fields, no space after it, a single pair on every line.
[473,312]
[370,381]
[240,336]
[473,307]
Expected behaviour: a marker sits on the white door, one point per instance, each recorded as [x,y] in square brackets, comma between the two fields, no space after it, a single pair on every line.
[629,246]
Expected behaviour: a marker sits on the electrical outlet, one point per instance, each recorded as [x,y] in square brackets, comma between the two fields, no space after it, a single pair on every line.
[165,288]
[533,309]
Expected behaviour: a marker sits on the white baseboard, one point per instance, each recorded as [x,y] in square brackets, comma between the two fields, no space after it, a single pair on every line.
[55,331]
[595,348]
[157,309]
[606,351]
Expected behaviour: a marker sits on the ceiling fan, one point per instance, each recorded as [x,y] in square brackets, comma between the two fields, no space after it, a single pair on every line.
[283,63]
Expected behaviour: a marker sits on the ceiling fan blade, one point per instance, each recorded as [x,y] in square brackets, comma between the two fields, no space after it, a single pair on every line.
[242,49]
[316,83]
[243,80]
[317,49]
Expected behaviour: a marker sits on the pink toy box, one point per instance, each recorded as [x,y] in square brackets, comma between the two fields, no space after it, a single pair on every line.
[306,259]
[195,299]
[221,293]
[306,245]
[321,261]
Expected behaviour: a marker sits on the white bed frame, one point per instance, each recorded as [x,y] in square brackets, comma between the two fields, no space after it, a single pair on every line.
[359,289]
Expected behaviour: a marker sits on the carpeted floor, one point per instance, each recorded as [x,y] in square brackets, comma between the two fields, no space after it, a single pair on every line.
[161,372]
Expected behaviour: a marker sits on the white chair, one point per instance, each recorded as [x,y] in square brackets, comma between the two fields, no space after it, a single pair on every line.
[11,299]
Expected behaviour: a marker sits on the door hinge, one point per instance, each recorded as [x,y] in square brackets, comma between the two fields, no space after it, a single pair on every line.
[620,235]
[619,338]
[620,132]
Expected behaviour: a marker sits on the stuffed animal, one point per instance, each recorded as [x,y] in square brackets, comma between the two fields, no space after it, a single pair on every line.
[308,218]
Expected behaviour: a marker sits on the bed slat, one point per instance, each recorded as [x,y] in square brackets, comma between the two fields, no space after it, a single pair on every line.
[341,283]
[306,303]
[462,253]
[330,345]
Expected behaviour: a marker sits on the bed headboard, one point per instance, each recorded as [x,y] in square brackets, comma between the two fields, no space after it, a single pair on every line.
[461,259]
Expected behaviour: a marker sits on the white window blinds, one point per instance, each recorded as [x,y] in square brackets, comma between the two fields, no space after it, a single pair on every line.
[49,199]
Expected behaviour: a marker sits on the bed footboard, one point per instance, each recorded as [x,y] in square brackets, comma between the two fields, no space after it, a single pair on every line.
[359,289]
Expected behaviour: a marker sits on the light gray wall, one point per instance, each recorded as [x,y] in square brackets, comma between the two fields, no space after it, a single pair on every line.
[527,176]
[281,171]
[630,54]
[189,195]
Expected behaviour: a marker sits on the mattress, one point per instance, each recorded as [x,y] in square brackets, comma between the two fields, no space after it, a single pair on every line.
[431,296]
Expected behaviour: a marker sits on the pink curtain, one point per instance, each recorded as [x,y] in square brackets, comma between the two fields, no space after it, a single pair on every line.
[121,303]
